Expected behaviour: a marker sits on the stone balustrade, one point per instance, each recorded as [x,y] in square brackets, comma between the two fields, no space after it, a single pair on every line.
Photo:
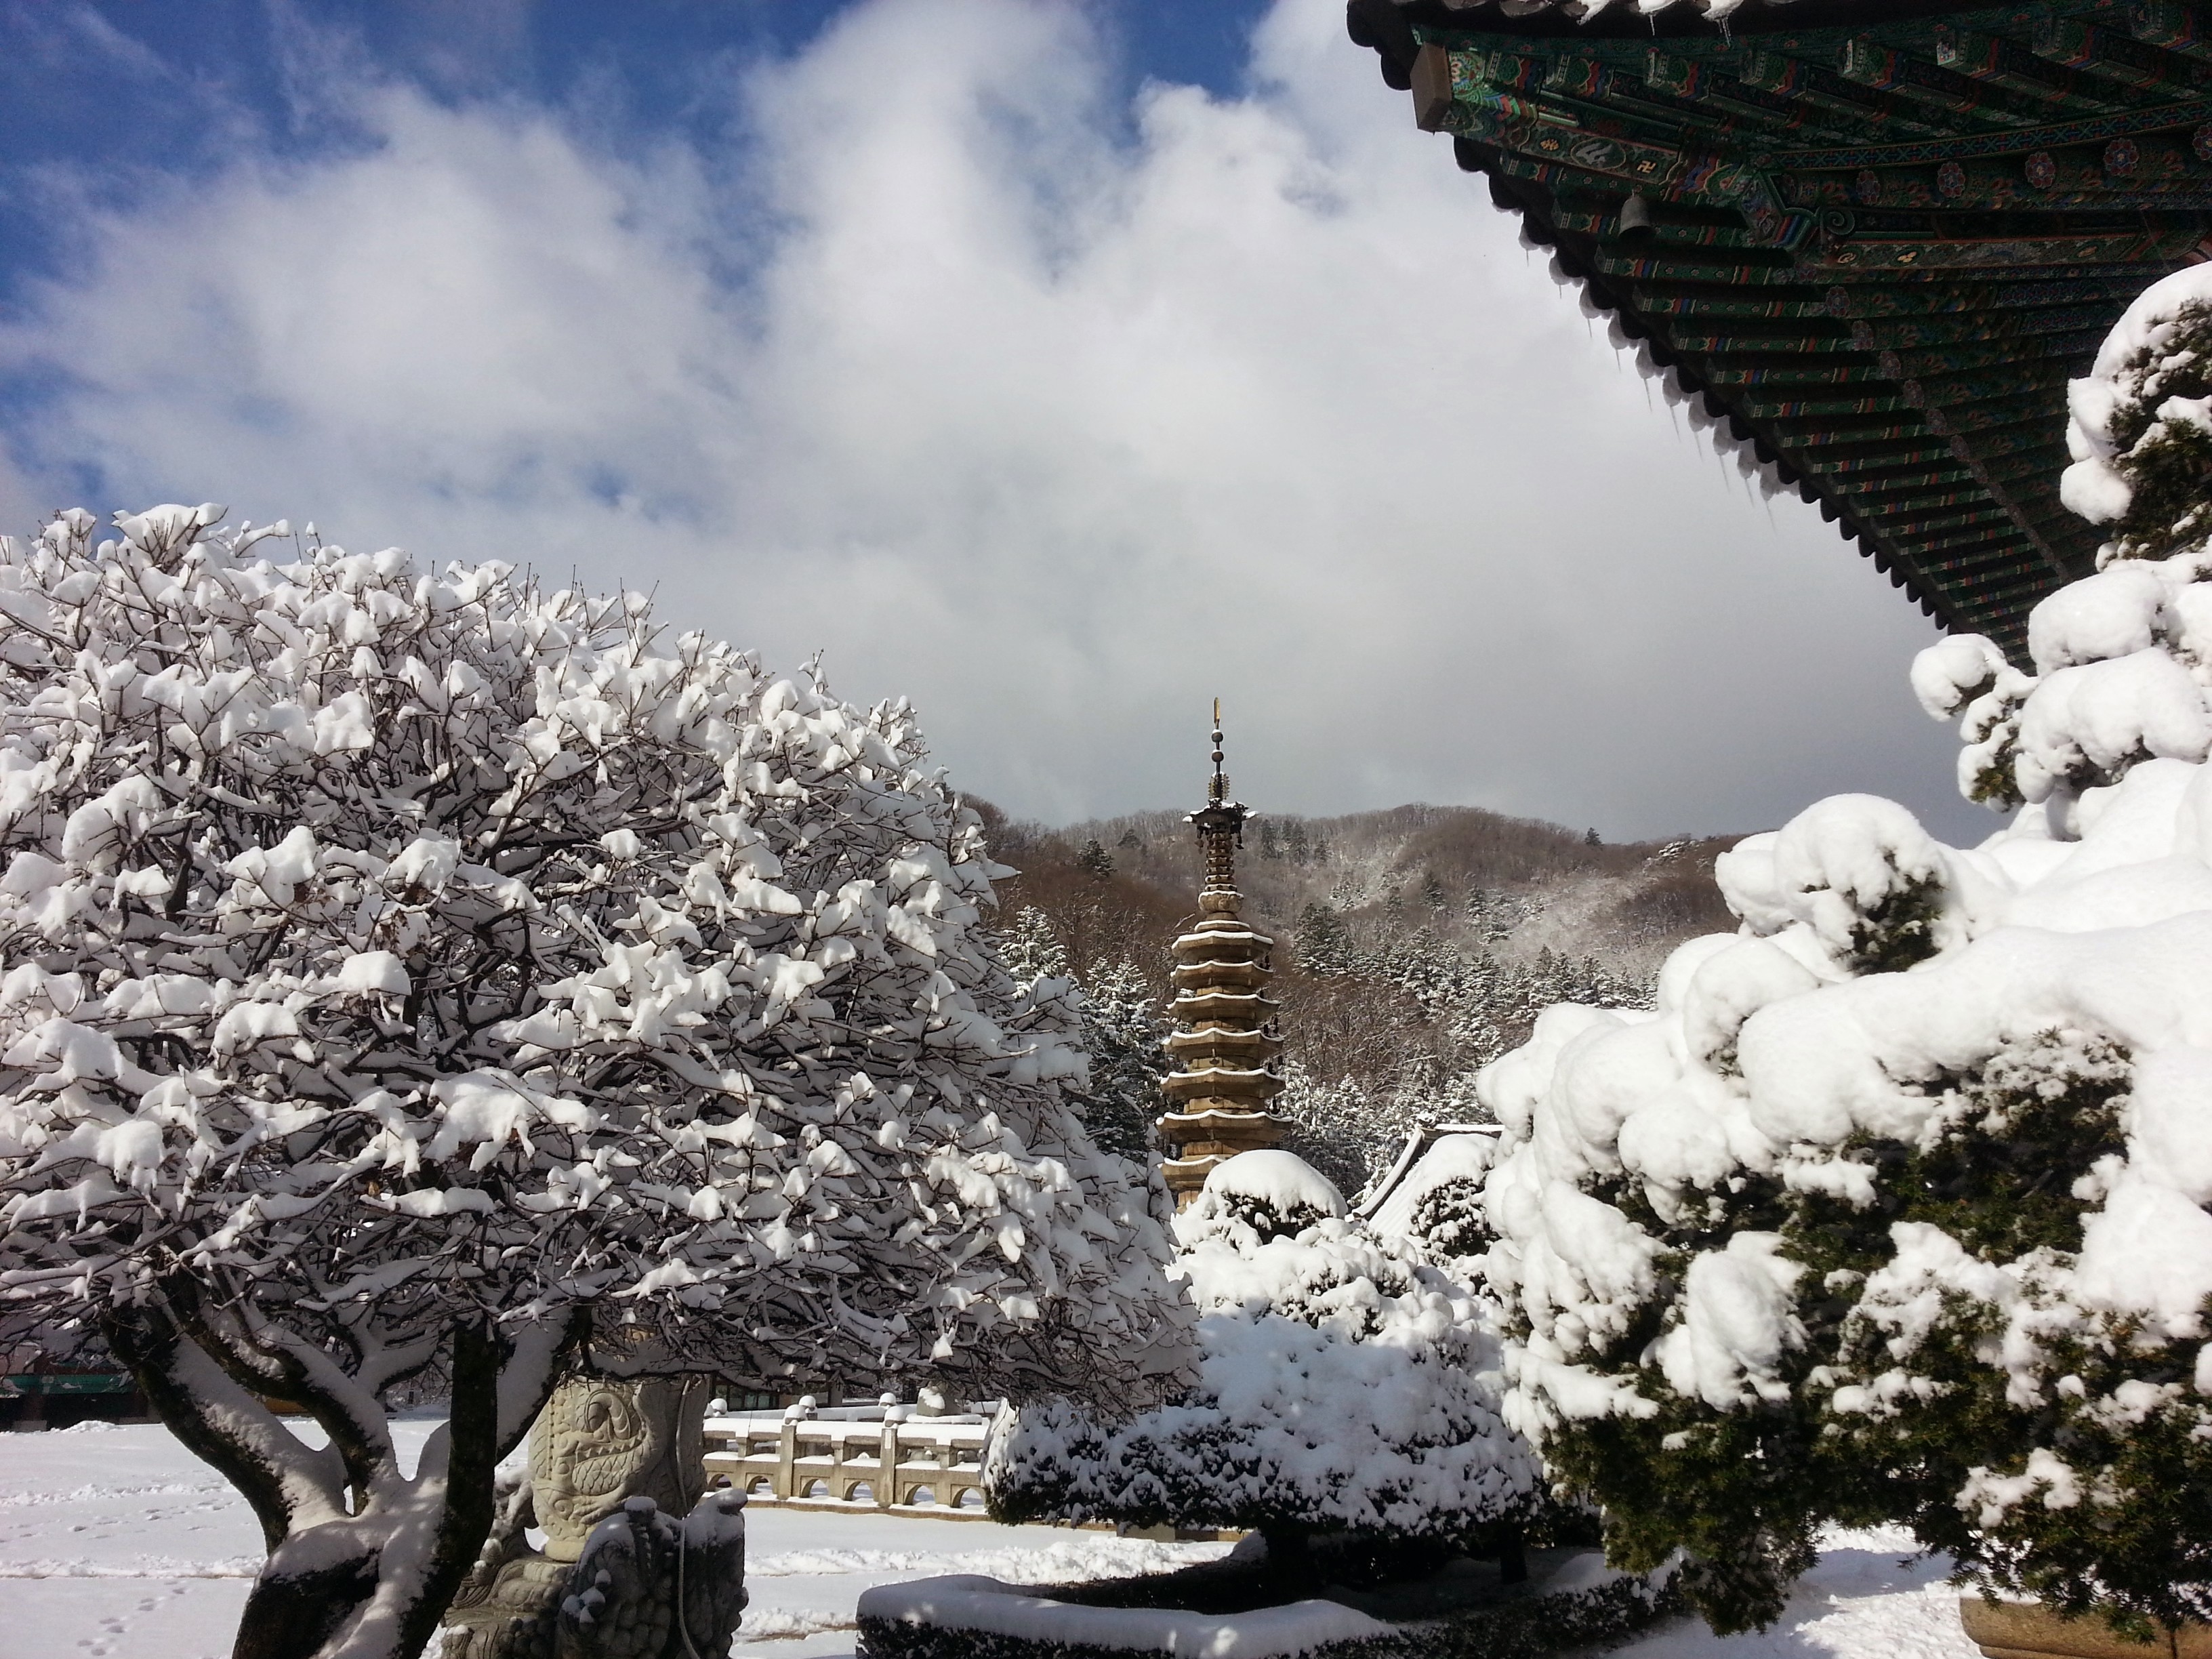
[885,1457]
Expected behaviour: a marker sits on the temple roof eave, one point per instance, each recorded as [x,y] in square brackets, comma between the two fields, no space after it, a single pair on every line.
[1943,208]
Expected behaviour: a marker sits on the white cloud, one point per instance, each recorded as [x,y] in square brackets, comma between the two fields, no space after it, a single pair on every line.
[1059,431]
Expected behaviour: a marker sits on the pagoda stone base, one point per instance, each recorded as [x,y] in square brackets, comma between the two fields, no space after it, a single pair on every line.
[1203,1141]
[2027,1629]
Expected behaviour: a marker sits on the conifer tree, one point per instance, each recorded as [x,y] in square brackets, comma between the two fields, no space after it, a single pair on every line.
[1122,1033]
[1030,949]
[1898,1205]
[1322,942]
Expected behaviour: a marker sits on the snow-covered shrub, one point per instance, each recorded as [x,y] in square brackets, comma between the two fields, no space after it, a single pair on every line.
[1896,1204]
[1344,1386]
[1440,1208]
[415,972]
[2140,426]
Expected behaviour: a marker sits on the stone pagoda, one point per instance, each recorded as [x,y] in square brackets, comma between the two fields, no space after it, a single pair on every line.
[1224,1044]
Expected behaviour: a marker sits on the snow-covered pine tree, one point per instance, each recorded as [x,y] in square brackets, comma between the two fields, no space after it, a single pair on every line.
[1122,1032]
[1899,1202]
[1330,1125]
[1323,944]
[1447,1217]
[421,974]
[1030,950]
[1346,1387]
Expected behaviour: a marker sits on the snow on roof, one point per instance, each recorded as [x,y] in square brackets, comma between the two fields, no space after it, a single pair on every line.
[1449,1152]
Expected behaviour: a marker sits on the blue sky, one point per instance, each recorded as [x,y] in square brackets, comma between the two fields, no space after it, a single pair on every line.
[95,97]
[1057,365]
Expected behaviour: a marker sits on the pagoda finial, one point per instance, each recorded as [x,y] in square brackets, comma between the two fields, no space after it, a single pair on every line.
[1220,831]
[1218,789]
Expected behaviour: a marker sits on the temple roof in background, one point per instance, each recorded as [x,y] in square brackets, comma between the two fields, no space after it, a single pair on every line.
[1873,238]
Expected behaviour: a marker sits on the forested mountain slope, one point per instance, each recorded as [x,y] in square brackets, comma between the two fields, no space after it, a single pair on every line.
[1414,944]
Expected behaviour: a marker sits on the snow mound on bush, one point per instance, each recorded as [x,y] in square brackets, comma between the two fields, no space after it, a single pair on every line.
[1343,1383]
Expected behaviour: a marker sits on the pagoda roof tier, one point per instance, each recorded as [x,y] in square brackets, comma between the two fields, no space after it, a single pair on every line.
[1218,1041]
[1212,936]
[1189,1174]
[1230,1083]
[1204,975]
[1249,1006]
[1872,239]
[1233,954]
[1220,1122]
[1213,1136]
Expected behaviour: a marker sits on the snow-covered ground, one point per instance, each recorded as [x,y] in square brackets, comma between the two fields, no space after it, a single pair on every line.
[116,1543]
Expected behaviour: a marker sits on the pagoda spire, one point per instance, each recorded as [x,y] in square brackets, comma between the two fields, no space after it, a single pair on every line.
[1225,1043]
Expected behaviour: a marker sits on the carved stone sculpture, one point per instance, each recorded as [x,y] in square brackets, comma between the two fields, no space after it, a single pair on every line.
[602,1440]
[613,1462]
[649,1586]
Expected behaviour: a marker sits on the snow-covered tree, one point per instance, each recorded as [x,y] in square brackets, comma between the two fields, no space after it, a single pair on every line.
[419,973]
[1332,1126]
[1324,945]
[1122,1030]
[1899,1202]
[1345,1387]
[1030,950]
[1122,1035]
[1445,1213]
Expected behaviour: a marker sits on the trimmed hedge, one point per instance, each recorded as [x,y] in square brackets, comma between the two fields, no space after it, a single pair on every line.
[1517,1626]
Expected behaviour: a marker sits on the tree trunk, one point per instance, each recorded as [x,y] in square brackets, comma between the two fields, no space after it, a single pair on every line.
[297,1613]
[376,1583]
[363,1560]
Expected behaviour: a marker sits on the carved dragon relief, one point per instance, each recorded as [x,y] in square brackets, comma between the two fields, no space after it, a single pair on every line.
[616,1483]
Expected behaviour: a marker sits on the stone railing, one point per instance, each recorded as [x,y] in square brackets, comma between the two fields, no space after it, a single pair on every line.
[848,1457]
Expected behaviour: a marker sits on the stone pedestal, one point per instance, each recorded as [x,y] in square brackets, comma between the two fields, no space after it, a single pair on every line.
[2027,1629]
